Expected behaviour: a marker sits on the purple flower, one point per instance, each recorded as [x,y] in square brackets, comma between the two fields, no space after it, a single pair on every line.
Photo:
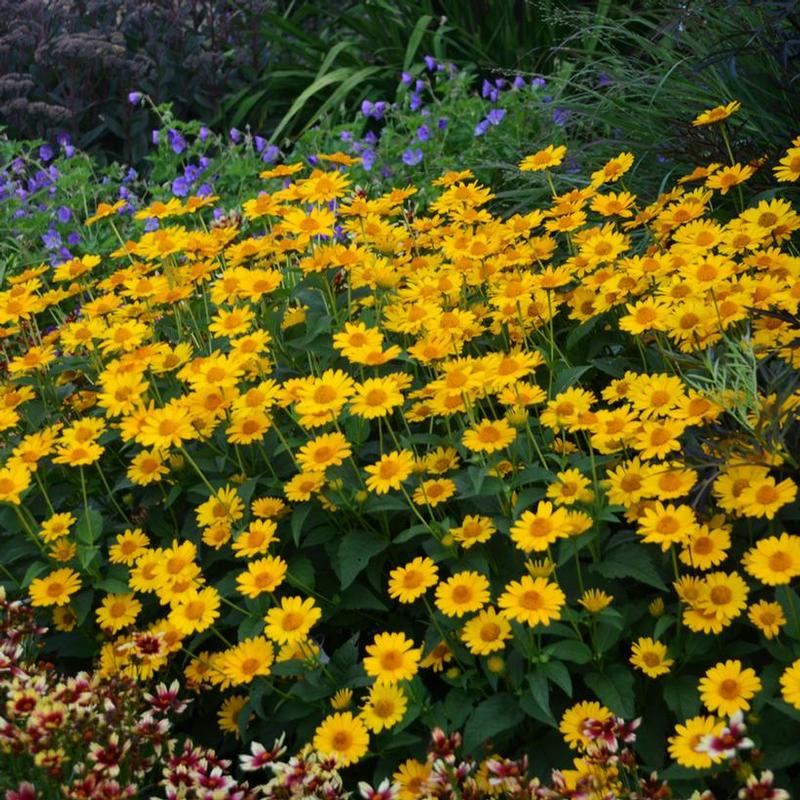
[560,116]
[180,186]
[313,161]
[73,238]
[218,213]
[346,136]
[486,88]
[495,116]
[430,62]
[155,136]
[176,141]
[134,98]
[538,83]
[366,108]
[412,157]
[51,239]
[572,166]
[64,214]
[481,127]
[368,159]
[519,82]
[371,137]
[441,123]
[259,142]
[423,133]
[130,175]
[204,190]
[124,193]
[63,139]
[416,101]
[151,224]
[500,83]
[406,78]
[662,159]
[419,85]
[548,98]
[386,171]
[236,135]
[380,109]
[270,154]
[46,153]
[191,172]
[204,161]
[204,133]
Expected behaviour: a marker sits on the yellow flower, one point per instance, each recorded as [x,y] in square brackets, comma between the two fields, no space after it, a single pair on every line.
[717,114]
[790,684]
[727,688]
[550,156]
[463,592]
[774,560]
[390,471]
[533,601]
[574,721]
[248,659]
[262,575]
[384,707]
[473,530]
[411,581]
[650,657]
[595,600]
[55,589]
[767,617]
[229,714]
[688,735]
[537,530]
[342,736]
[195,610]
[392,658]
[434,492]
[292,620]
[486,632]
[56,526]
[342,699]
[117,611]
[488,436]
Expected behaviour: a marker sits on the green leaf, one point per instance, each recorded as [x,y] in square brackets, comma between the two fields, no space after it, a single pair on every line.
[570,650]
[540,691]
[33,571]
[568,376]
[614,689]
[355,551]
[495,715]
[629,561]
[298,518]
[90,527]
[557,673]
[681,697]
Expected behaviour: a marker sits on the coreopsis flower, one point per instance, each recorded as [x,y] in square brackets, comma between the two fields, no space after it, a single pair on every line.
[391,658]
[717,114]
[411,581]
[343,736]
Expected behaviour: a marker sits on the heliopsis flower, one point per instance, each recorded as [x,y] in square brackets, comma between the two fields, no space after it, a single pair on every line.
[683,746]
[262,575]
[707,547]
[412,777]
[595,600]
[727,688]
[537,530]
[256,539]
[726,178]
[572,487]
[717,114]
[343,737]
[461,593]
[650,657]
[434,492]
[303,486]
[229,714]
[117,611]
[147,467]
[574,720]
[341,700]
[268,507]
[223,506]
[723,595]
[248,659]
[667,525]
[489,436]
[56,526]
[774,560]
[764,498]
[55,589]
[78,454]
[385,707]
[790,684]
[327,450]
[248,426]
[440,655]
[411,581]
[291,622]
[550,156]
[474,529]
[788,168]
[375,397]
[534,601]
[613,169]
[389,471]
[392,658]
[767,617]
[486,632]
[195,610]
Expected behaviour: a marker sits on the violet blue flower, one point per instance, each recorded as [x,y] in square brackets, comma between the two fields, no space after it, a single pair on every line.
[430,62]
[270,154]
[481,127]
[73,238]
[204,190]
[155,136]
[495,116]
[346,136]
[64,214]
[176,141]
[419,85]
[203,134]
[486,88]
[441,123]
[380,109]
[46,153]
[51,239]
[370,137]
[406,78]
[416,101]
[538,83]
[180,186]
[560,116]
[412,157]
[366,108]
[134,98]
[236,135]
[151,224]
[423,133]
[519,82]
[368,159]
[259,142]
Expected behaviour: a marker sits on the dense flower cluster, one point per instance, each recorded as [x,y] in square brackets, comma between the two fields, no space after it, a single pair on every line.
[239,442]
